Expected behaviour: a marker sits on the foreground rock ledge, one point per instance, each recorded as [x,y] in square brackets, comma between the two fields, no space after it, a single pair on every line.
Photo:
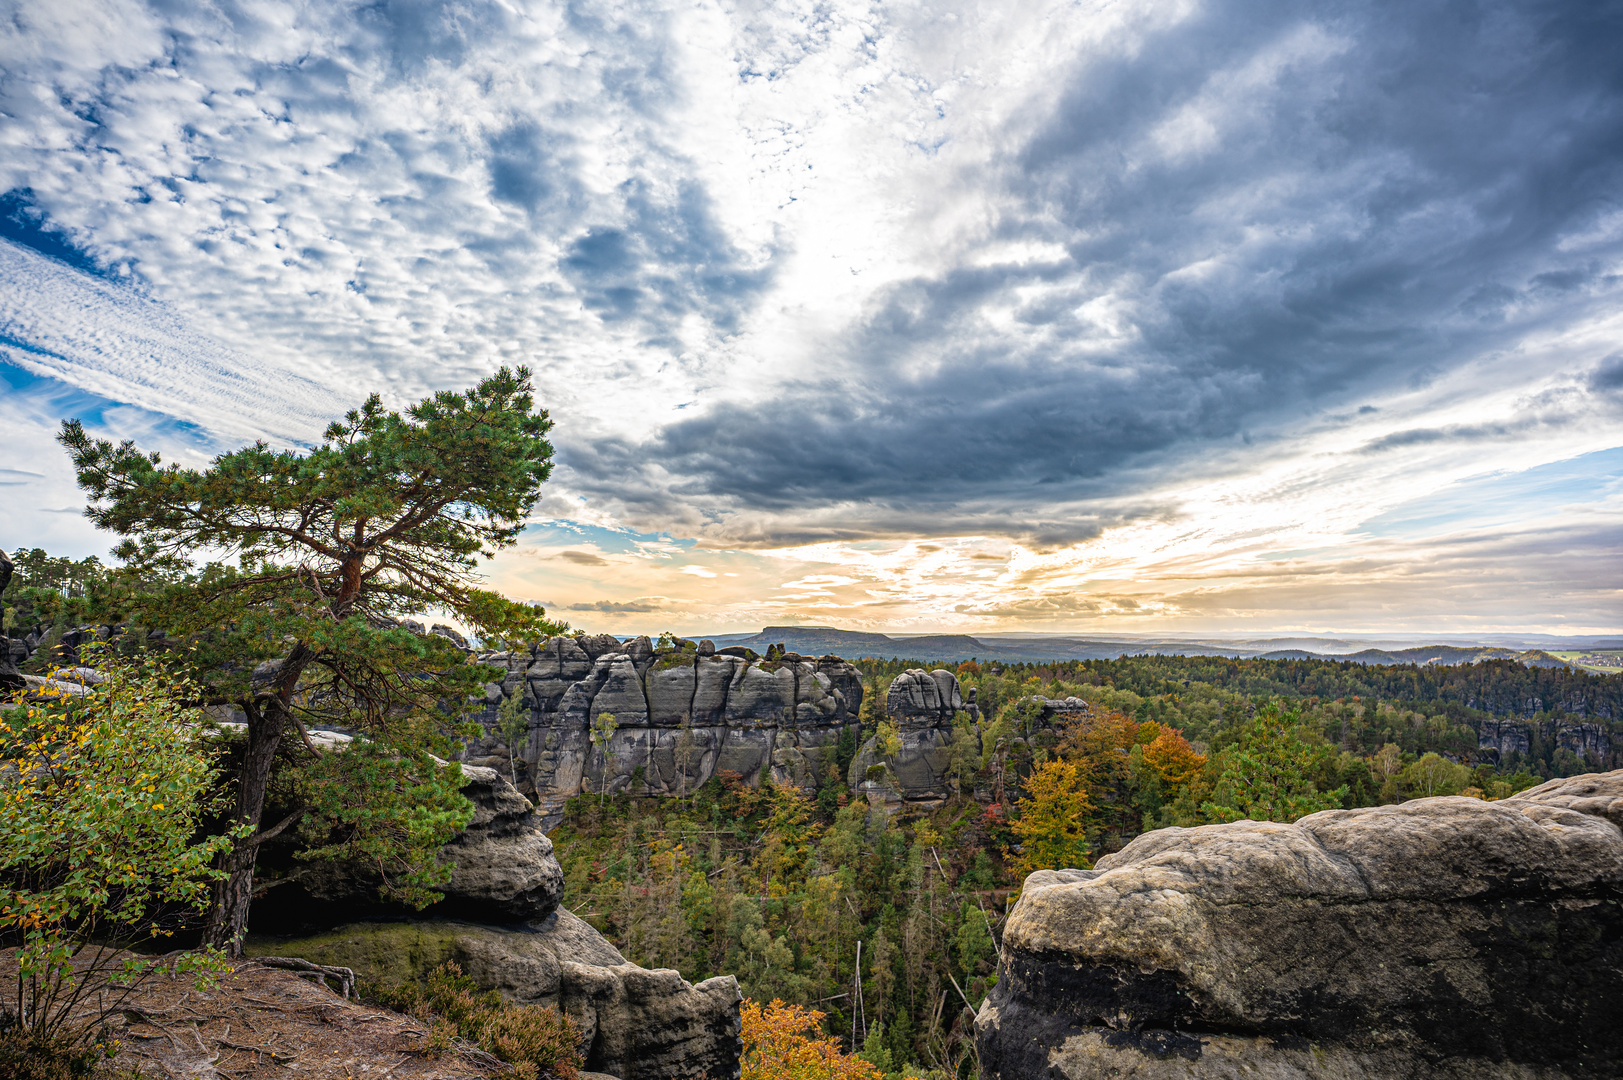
[636,1023]
[1447,938]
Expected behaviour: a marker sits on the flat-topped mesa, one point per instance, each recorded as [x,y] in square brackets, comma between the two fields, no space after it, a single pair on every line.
[1446,937]
[683,713]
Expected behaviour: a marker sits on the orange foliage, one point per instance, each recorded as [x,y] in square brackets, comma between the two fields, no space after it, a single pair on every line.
[781,1043]
[1170,754]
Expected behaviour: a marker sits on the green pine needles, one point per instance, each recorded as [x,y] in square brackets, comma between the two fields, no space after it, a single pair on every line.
[313,558]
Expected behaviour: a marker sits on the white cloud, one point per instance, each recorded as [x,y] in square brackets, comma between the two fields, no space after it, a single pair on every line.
[1095,289]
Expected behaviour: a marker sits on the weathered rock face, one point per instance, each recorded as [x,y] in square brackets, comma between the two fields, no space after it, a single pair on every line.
[9,657]
[682,715]
[921,704]
[503,871]
[1592,743]
[1443,937]
[637,1024]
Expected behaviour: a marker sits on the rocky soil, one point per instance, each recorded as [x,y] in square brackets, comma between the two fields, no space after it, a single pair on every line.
[1445,937]
[266,1023]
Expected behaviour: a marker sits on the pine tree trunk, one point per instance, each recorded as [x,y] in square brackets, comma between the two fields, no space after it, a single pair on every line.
[229,920]
[268,718]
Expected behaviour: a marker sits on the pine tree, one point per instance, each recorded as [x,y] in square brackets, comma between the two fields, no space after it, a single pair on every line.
[383,519]
[1267,775]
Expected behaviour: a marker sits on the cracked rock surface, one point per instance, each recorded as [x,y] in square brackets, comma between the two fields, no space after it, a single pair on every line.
[1445,937]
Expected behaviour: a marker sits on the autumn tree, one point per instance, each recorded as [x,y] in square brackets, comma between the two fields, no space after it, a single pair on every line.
[781,1042]
[383,519]
[1053,820]
[102,796]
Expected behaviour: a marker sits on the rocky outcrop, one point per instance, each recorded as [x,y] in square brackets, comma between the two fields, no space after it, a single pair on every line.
[636,1024]
[10,656]
[503,870]
[1591,742]
[1498,739]
[683,714]
[922,705]
[1445,937]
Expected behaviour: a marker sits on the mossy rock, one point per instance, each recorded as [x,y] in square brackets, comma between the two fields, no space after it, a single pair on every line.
[522,965]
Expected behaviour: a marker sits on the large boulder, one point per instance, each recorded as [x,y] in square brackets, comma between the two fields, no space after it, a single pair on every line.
[1445,937]
[636,1024]
[503,871]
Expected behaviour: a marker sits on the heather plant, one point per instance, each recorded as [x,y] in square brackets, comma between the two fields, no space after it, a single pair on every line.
[538,1042]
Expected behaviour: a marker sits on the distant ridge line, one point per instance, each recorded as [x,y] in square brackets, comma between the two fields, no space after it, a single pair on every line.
[956,648]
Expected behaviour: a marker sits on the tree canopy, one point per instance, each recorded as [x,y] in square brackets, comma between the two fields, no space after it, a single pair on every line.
[317,556]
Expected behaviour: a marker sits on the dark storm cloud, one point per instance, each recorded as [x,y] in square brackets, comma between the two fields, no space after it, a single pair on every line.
[668,258]
[1288,204]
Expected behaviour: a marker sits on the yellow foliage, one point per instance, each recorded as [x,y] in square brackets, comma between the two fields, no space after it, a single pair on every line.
[1053,821]
[781,1043]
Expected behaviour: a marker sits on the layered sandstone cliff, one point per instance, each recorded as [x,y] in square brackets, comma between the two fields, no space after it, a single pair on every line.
[683,715]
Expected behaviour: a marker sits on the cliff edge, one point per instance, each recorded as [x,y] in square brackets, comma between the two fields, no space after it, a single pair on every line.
[1444,937]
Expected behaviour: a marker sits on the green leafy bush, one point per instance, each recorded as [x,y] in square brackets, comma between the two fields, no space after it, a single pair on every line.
[101,799]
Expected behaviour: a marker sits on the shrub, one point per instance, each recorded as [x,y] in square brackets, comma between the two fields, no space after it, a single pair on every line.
[538,1041]
[37,1055]
[101,796]
[780,1043]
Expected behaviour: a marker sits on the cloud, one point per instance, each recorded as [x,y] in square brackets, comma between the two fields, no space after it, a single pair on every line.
[580,558]
[611,607]
[1142,287]
[1608,376]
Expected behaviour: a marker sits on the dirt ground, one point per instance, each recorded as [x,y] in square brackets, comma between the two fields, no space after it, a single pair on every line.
[261,1022]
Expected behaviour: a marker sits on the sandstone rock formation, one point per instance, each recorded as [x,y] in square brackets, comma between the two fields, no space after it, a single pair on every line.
[636,1024]
[1445,937]
[9,657]
[503,871]
[922,705]
[684,713]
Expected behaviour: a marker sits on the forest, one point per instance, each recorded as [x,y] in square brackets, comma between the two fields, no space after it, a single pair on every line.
[884,917]
[783,887]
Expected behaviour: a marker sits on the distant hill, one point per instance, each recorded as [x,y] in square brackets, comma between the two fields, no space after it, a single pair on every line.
[1015,648]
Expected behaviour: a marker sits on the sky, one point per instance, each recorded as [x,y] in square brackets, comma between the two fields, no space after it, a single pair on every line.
[1102,317]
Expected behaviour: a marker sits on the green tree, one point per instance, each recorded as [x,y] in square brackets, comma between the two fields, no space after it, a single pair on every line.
[1266,775]
[101,800]
[604,725]
[964,764]
[974,940]
[383,519]
[514,721]
[1432,775]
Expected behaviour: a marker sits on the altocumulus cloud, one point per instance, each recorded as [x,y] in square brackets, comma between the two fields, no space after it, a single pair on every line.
[953,271]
